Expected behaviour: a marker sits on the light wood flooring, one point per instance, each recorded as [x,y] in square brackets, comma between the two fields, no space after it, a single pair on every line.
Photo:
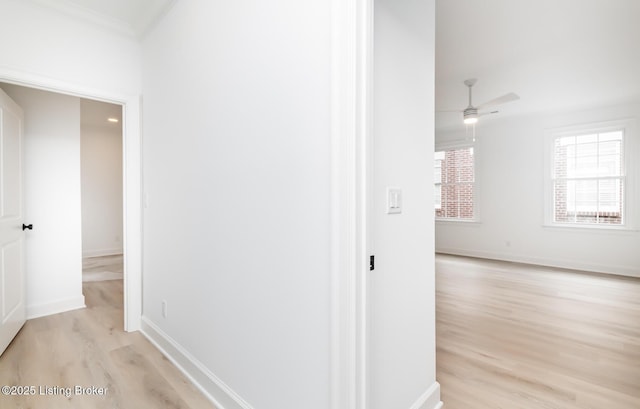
[509,336]
[514,336]
[103,268]
[88,347]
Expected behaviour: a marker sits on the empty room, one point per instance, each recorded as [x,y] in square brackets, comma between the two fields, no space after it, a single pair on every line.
[537,204]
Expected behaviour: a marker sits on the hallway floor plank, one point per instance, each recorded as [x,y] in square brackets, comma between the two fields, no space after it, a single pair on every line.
[88,348]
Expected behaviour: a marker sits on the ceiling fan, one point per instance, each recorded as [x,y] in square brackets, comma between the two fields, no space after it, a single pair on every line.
[471,113]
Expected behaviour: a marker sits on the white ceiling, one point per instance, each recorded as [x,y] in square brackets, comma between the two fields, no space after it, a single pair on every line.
[130,17]
[555,54]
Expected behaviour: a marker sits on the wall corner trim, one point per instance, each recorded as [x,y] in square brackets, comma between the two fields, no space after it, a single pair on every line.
[222,396]
[430,399]
[351,44]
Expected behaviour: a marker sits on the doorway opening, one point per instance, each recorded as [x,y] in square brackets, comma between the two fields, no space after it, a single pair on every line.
[48,299]
[101,160]
[101,190]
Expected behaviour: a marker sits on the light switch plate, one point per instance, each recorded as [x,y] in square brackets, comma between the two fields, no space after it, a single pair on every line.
[394,200]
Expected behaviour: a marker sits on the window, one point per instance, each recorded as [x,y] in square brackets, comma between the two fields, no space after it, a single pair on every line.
[588,180]
[454,184]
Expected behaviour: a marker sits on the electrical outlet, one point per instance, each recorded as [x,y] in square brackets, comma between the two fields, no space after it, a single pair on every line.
[164,308]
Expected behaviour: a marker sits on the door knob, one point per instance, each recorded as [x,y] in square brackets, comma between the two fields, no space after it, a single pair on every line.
[25,227]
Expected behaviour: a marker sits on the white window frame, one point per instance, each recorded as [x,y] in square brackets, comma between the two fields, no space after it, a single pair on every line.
[630,172]
[438,183]
[453,145]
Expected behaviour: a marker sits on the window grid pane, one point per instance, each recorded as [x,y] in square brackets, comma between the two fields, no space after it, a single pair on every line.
[588,179]
[454,180]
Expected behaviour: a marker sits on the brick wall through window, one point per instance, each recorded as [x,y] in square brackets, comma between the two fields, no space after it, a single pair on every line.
[454,180]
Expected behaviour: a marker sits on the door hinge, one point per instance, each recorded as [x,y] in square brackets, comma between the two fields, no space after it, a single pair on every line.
[372,262]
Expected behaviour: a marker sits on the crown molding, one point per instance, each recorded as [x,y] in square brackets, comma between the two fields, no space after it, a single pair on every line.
[85,14]
[136,29]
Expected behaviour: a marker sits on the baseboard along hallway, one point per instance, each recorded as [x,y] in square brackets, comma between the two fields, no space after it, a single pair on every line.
[88,349]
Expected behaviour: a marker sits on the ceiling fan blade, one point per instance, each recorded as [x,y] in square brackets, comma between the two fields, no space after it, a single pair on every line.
[500,100]
[488,113]
[448,110]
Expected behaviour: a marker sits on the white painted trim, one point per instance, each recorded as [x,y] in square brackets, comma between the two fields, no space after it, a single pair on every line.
[351,52]
[132,213]
[133,29]
[55,307]
[132,162]
[547,262]
[631,171]
[364,208]
[430,399]
[85,14]
[102,253]
[222,396]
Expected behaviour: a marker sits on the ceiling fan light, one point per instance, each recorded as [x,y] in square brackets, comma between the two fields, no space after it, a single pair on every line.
[471,119]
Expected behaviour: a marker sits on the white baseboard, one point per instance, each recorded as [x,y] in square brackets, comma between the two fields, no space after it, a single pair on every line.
[568,264]
[217,391]
[430,399]
[222,396]
[55,307]
[102,253]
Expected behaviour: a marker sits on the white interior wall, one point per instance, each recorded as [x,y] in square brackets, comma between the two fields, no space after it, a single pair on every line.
[101,170]
[237,169]
[510,170]
[52,200]
[39,41]
[401,311]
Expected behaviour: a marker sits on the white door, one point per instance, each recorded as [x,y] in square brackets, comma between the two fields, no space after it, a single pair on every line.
[12,282]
